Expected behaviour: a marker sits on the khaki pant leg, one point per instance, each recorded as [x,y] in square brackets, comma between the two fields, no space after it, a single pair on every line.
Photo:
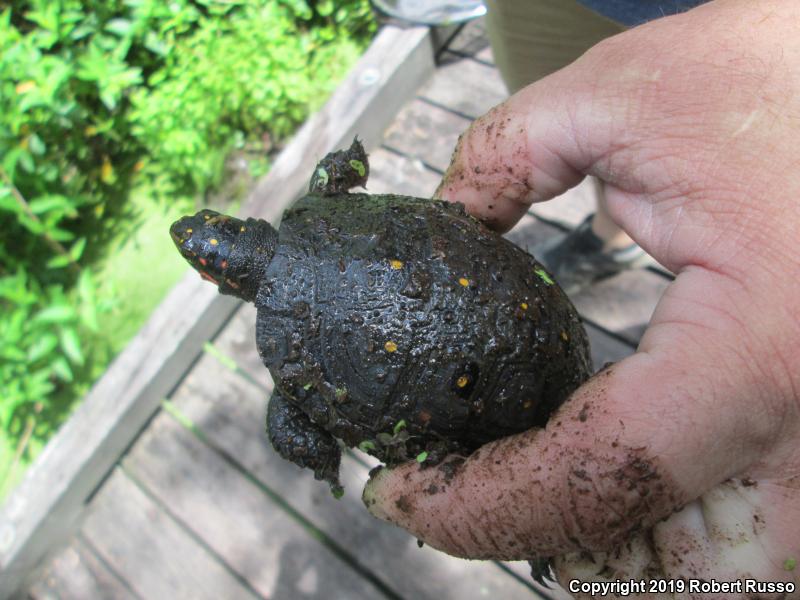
[533,38]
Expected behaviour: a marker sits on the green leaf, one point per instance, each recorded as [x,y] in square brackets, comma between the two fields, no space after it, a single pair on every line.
[544,276]
[121,27]
[422,457]
[385,439]
[71,345]
[76,250]
[358,166]
[61,235]
[58,314]
[61,369]
[88,300]
[401,424]
[43,346]
[50,202]
[36,145]
[59,261]
[366,446]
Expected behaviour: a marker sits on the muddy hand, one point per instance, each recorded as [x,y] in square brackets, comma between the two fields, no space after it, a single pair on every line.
[684,459]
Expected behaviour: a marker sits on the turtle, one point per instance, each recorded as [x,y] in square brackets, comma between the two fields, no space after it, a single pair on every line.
[401,326]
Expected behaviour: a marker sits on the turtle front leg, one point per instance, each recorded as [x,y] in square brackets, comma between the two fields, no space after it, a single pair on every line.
[341,170]
[302,442]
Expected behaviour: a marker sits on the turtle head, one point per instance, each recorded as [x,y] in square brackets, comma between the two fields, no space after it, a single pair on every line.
[226,251]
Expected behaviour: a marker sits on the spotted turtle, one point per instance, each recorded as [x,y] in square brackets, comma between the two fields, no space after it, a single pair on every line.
[401,326]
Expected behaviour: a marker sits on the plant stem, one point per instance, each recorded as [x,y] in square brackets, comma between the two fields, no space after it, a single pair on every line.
[54,244]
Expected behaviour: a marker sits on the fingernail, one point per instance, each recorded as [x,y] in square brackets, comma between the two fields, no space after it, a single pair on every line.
[371,493]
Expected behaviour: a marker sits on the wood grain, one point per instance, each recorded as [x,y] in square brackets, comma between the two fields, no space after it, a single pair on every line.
[76,573]
[151,551]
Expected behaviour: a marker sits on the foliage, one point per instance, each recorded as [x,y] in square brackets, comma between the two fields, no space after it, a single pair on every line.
[96,96]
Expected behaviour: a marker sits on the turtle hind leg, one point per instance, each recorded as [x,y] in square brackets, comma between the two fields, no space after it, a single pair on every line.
[300,441]
[341,170]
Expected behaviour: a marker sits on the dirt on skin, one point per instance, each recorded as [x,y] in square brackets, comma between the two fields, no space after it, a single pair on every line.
[508,179]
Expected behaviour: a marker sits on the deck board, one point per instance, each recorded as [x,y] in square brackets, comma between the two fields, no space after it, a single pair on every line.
[202,507]
[76,573]
[464,86]
[427,132]
[151,551]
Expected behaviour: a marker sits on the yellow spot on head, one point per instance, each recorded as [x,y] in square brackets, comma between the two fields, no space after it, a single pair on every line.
[206,217]
[564,336]
[189,230]
[462,381]
[524,306]
[464,281]
[213,242]
[396,264]
[242,228]
[527,404]
[390,346]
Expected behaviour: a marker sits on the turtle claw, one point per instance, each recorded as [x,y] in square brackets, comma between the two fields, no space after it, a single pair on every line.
[541,572]
[340,171]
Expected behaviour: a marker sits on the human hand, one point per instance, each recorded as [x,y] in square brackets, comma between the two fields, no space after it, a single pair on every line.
[683,460]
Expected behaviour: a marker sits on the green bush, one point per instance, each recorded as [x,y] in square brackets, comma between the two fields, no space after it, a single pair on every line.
[98,96]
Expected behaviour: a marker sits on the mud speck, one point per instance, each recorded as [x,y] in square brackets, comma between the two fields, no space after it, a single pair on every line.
[404,504]
[432,489]
[450,468]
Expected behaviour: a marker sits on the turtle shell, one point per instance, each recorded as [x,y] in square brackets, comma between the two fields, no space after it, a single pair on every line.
[405,326]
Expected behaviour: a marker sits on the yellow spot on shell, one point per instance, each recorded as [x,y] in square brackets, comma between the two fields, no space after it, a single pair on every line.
[462,381]
[564,336]
[464,281]
[242,228]
[213,242]
[390,346]
[527,404]
[524,306]
[396,264]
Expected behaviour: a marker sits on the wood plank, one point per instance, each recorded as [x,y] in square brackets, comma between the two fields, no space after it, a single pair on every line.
[42,512]
[153,553]
[427,132]
[393,173]
[473,41]
[465,86]
[231,414]
[77,574]
[274,553]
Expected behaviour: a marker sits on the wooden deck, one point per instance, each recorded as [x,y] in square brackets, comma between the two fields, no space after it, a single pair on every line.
[199,506]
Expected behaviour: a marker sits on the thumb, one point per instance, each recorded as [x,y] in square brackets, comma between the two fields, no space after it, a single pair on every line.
[636,442]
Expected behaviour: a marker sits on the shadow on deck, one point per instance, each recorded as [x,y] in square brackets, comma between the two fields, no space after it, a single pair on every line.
[199,506]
